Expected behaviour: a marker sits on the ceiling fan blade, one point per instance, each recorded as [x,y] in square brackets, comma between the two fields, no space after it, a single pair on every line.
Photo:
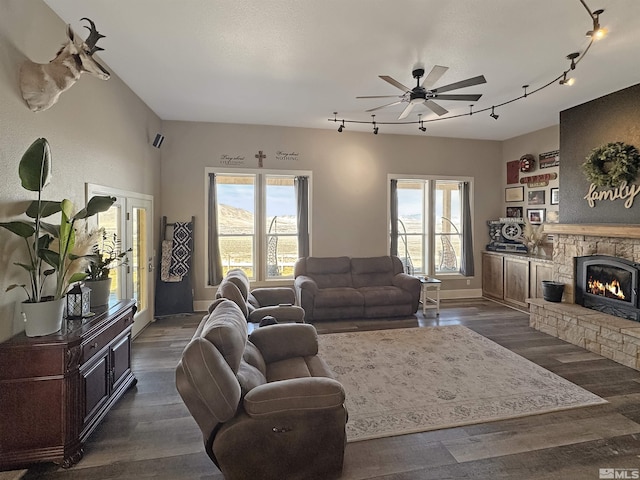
[383,106]
[435,108]
[395,83]
[382,96]
[461,84]
[434,75]
[466,97]
[405,113]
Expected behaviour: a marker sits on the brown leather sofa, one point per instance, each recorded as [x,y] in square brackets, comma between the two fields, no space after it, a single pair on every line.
[278,302]
[341,287]
[267,405]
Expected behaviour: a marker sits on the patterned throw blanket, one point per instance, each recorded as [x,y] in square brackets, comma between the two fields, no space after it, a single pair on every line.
[176,253]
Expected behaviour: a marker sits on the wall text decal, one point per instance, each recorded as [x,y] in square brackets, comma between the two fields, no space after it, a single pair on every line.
[623,191]
[231,161]
[287,156]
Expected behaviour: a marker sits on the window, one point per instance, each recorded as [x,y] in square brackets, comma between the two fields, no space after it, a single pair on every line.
[257,223]
[430,225]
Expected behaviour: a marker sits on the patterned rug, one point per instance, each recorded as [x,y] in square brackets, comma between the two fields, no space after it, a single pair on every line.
[417,379]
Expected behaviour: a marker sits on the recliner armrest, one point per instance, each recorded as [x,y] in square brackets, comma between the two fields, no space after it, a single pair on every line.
[267,296]
[406,282]
[308,393]
[306,283]
[285,340]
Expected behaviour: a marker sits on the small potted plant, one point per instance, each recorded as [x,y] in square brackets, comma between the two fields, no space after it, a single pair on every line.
[107,255]
[51,250]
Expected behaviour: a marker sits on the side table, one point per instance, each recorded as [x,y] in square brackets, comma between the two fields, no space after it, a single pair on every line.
[430,283]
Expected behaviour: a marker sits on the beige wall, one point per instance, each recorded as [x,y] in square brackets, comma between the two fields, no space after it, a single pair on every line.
[535,143]
[99,133]
[349,200]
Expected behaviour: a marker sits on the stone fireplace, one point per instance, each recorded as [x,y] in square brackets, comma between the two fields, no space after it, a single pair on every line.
[598,330]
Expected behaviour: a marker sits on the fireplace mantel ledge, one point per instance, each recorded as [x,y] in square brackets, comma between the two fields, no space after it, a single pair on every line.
[594,230]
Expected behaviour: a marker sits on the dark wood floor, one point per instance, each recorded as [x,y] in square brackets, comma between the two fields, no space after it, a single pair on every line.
[150,433]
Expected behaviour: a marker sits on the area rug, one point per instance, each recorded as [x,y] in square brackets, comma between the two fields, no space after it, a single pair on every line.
[417,379]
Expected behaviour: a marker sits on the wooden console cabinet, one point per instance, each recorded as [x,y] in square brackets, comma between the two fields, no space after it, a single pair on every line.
[512,278]
[54,390]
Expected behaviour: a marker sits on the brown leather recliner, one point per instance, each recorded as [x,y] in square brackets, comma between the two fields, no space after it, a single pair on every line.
[267,405]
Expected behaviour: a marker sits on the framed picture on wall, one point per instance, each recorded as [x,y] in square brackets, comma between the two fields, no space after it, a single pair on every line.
[535,215]
[549,159]
[514,194]
[555,198]
[535,197]
[514,212]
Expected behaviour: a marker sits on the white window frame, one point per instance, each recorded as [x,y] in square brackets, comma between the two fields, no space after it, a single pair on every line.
[429,215]
[260,234]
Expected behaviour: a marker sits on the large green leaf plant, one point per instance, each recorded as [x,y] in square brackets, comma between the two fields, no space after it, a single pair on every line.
[49,246]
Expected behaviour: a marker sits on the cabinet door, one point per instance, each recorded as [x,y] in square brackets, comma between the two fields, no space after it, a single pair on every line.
[121,359]
[492,273]
[539,272]
[516,281]
[95,385]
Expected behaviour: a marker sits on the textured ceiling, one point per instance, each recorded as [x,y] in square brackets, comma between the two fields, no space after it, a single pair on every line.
[294,62]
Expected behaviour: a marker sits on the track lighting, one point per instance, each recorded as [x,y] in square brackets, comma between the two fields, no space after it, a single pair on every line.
[572,57]
[566,81]
[422,128]
[595,33]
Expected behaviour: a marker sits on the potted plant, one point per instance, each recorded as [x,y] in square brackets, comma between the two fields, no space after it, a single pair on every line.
[107,255]
[51,249]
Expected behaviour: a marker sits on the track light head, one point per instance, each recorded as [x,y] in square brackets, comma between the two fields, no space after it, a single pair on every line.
[566,81]
[375,130]
[422,128]
[493,114]
[340,128]
[598,32]
[572,57]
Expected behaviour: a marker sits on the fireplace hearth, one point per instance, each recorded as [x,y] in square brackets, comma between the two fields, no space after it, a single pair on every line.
[609,285]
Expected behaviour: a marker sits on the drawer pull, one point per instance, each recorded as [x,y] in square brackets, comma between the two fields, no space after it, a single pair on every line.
[94,345]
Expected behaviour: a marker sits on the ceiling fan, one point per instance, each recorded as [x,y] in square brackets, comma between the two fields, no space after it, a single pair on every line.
[424,94]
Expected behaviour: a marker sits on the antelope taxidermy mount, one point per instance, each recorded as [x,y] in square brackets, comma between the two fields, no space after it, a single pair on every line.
[42,84]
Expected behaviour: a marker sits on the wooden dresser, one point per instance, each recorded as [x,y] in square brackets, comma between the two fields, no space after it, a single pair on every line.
[54,390]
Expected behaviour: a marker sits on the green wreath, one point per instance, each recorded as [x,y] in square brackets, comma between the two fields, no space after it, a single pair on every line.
[611,164]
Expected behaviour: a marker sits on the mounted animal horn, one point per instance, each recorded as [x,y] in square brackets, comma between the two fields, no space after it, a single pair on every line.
[42,84]
[93,37]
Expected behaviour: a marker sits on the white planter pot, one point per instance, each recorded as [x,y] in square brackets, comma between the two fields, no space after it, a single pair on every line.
[100,290]
[43,318]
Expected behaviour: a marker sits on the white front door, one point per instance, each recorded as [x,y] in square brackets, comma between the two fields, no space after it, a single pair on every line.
[140,271]
[130,218]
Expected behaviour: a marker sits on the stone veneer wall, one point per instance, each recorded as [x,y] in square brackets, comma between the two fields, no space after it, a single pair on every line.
[567,247]
[612,337]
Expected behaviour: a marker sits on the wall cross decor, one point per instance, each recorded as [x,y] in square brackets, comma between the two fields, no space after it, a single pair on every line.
[260,156]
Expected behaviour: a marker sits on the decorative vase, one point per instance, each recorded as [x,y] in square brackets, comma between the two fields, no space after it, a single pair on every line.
[43,318]
[100,290]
